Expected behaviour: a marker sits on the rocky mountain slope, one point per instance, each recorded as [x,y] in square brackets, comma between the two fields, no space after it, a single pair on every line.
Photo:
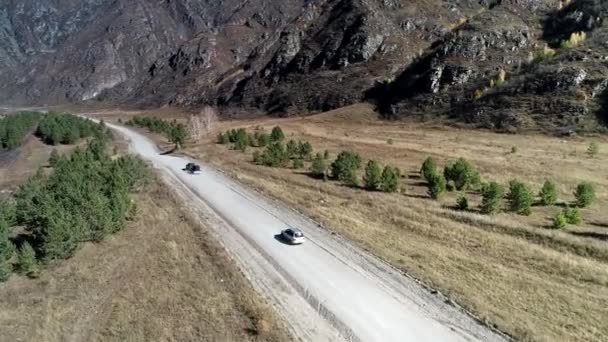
[502,64]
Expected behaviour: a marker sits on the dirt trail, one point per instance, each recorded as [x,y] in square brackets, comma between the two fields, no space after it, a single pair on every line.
[326,289]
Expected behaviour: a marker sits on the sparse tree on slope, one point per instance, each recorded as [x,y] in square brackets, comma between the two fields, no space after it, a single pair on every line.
[372,178]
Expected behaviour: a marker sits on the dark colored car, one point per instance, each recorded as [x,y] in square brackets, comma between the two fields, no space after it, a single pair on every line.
[193,168]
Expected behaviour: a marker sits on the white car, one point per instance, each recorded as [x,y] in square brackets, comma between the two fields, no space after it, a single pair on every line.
[293,236]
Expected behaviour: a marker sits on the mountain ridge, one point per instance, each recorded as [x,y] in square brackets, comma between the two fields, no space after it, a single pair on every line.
[499,64]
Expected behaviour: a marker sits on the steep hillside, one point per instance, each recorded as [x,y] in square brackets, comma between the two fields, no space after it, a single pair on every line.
[481,62]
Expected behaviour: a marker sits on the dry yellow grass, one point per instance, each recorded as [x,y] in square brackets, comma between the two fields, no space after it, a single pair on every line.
[32,154]
[530,281]
[163,278]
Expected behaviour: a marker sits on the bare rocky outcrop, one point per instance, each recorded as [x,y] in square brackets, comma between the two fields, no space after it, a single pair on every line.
[411,58]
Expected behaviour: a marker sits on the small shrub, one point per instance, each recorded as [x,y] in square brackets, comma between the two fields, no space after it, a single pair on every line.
[27,261]
[232,135]
[513,149]
[275,155]
[559,221]
[345,167]
[291,148]
[462,173]
[572,215]
[298,164]
[318,166]
[389,141]
[326,154]
[429,168]
[436,185]
[277,134]
[54,158]
[593,149]
[492,195]
[584,194]
[304,150]
[545,54]
[548,193]
[520,198]
[5,270]
[263,139]
[390,179]
[576,39]
[462,203]
[242,139]
[373,176]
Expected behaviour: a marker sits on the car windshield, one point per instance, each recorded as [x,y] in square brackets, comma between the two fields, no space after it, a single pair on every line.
[298,234]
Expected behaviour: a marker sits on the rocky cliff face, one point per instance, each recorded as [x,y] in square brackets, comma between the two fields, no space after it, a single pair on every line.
[503,64]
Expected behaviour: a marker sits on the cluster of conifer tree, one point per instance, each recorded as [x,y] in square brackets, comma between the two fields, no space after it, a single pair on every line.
[84,198]
[14,128]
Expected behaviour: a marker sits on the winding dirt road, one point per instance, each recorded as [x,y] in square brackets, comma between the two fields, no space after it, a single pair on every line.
[325,289]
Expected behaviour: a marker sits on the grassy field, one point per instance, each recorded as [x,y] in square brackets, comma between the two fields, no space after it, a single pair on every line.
[512,271]
[163,278]
[25,161]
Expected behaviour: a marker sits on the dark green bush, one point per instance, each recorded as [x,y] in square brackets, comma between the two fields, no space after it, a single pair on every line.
[372,179]
[429,168]
[462,203]
[277,135]
[492,196]
[291,149]
[304,150]
[345,167]
[559,221]
[241,140]
[548,193]
[572,215]
[436,185]
[520,198]
[462,173]
[584,194]
[390,179]
[263,139]
[275,155]
[232,135]
[28,264]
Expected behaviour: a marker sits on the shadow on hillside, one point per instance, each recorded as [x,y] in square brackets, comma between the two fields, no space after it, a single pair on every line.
[599,224]
[593,235]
